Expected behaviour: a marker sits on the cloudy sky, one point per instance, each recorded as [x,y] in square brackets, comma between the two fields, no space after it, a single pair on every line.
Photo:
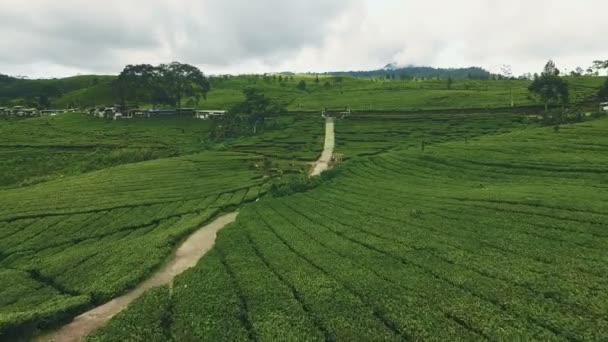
[46,38]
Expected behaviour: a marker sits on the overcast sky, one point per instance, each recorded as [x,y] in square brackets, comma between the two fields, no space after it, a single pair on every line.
[46,38]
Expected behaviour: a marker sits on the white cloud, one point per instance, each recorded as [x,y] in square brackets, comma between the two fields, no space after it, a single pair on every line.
[48,38]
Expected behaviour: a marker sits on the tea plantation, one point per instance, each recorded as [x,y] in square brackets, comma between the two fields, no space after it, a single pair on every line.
[499,238]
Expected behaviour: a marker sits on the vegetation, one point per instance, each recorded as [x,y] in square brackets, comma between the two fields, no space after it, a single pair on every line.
[458,224]
[370,93]
[460,242]
[114,223]
[549,87]
[247,115]
[164,84]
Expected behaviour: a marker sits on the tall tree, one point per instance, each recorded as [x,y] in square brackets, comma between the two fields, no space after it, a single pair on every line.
[180,80]
[549,87]
[603,93]
[135,81]
[301,85]
[599,64]
[257,108]
[449,83]
[508,74]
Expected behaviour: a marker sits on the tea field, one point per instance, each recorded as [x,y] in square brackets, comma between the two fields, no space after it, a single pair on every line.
[46,148]
[502,238]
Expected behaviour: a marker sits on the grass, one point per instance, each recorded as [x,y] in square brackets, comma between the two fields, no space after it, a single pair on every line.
[502,238]
[334,92]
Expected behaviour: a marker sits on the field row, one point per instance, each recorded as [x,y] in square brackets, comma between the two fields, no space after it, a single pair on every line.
[453,243]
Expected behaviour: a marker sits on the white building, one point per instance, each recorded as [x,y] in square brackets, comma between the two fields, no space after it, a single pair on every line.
[604,106]
[209,114]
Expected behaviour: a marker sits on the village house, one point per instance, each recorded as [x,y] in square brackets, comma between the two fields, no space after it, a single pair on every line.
[209,114]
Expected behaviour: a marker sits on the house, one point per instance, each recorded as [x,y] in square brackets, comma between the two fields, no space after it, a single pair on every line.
[51,112]
[138,113]
[162,112]
[25,112]
[209,114]
[126,115]
[604,106]
[326,113]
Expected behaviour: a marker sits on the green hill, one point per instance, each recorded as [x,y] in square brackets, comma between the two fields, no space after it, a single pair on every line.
[325,91]
[502,239]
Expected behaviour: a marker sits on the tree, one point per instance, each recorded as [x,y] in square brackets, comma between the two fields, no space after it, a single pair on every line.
[603,93]
[301,85]
[450,82]
[508,74]
[135,81]
[549,87]
[180,80]
[257,107]
[600,64]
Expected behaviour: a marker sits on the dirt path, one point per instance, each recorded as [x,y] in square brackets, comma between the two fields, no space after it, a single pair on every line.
[186,256]
[328,149]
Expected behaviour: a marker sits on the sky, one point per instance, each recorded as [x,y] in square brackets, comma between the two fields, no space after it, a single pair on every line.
[51,38]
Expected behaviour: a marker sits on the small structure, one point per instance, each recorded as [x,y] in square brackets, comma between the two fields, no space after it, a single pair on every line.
[162,112]
[604,107]
[138,113]
[26,112]
[126,115]
[327,113]
[209,114]
[51,112]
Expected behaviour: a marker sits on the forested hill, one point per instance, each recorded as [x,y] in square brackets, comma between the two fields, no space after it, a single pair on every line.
[409,72]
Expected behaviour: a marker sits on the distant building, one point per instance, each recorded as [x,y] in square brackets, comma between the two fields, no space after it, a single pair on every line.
[328,113]
[51,112]
[209,114]
[604,106]
[162,112]
[139,113]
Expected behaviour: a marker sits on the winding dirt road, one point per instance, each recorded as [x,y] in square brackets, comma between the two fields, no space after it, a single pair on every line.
[328,149]
[186,256]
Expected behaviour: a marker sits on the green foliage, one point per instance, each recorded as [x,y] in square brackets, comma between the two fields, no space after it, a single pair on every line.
[402,243]
[406,93]
[147,322]
[117,227]
[163,84]
[45,148]
[102,204]
[247,116]
[603,92]
[292,184]
[549,87]
[301,85]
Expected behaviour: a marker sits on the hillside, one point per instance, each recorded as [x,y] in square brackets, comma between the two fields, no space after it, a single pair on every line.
[502,238]
[324,91]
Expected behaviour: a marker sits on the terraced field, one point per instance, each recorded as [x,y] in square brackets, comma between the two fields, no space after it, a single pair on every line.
[71,243]
[363,133]
[42,149]
[503,238]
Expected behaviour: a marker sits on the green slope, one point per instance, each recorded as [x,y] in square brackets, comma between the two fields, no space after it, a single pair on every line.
[502,238]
